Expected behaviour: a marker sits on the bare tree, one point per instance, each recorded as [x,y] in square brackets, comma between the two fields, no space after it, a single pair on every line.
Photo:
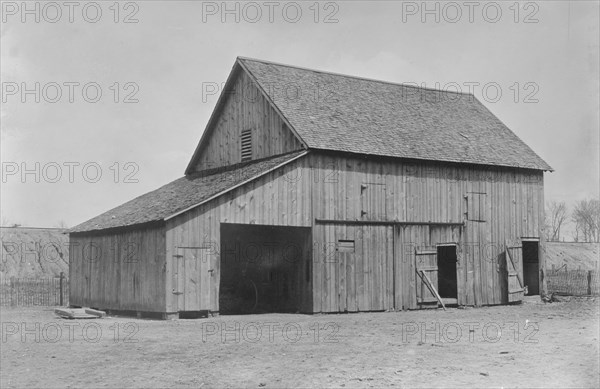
[586,215]
[62,224]
[556,215]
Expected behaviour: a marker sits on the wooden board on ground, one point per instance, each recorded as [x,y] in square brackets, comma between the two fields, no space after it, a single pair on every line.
[79,313]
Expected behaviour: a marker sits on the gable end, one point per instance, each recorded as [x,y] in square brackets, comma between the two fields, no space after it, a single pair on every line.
[244,126]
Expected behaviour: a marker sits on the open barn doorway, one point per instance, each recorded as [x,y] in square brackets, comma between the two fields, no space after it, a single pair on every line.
[264,269]
[447,280]
[531,267]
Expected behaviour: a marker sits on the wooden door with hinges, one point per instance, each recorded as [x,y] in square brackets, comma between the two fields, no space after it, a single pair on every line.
[194,279]
[426,262]
[373,201]
[514,269]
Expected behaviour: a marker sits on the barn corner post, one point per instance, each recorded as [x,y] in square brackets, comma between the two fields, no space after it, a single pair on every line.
[542,248]
[72,276]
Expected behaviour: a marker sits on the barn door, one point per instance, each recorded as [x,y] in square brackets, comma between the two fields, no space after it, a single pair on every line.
[194,279]
[426,261]
[514,261]
[374,268]
[356,271]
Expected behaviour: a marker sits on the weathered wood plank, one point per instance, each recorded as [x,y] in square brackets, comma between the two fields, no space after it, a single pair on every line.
[245,108]
[118,270]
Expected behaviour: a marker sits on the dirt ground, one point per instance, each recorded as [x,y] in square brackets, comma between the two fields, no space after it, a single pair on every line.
[530,345]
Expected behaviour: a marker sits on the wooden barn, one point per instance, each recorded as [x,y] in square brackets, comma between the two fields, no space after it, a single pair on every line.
[318,192]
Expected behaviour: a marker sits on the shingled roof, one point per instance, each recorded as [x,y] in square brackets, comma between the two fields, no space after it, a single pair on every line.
[335,112]
[180,195]
[351,114]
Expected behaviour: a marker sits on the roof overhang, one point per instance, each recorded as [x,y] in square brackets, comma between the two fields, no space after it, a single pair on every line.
[236,186]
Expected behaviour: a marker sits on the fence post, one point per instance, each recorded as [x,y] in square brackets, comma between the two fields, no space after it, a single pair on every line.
[62,277]
[589,282]
[12,291]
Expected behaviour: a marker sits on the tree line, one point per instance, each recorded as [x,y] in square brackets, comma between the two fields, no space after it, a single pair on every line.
[584,217]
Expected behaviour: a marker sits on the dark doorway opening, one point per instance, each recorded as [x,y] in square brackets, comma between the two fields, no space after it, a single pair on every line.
[446,261]
[264,269]
[531,267]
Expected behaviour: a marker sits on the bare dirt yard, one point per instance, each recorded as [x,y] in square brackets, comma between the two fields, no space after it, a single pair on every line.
[530,345]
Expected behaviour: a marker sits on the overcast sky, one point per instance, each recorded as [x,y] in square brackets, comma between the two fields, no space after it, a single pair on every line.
[541,56]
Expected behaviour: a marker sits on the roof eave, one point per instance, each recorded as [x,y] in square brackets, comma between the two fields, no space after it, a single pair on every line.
[546,168]
[217,195]
[146,224]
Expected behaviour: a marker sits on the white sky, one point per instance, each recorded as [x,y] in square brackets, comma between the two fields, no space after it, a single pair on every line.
[175,47]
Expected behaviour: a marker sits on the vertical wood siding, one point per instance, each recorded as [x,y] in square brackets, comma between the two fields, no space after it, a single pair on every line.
[246,109]
[338,196]
[280,198]
[357,279]
[509,205]
[119,271]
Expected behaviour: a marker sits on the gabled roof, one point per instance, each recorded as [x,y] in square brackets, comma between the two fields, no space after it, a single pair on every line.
[182,194]
[343,113]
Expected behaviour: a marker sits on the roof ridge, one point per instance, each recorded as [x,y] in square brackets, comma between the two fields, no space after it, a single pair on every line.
[354,77]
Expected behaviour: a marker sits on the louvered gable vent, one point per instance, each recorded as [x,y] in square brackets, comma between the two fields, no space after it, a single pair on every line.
[246,144]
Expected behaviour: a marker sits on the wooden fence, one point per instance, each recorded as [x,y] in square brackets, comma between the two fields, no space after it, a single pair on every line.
[573,282]
[23,292]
